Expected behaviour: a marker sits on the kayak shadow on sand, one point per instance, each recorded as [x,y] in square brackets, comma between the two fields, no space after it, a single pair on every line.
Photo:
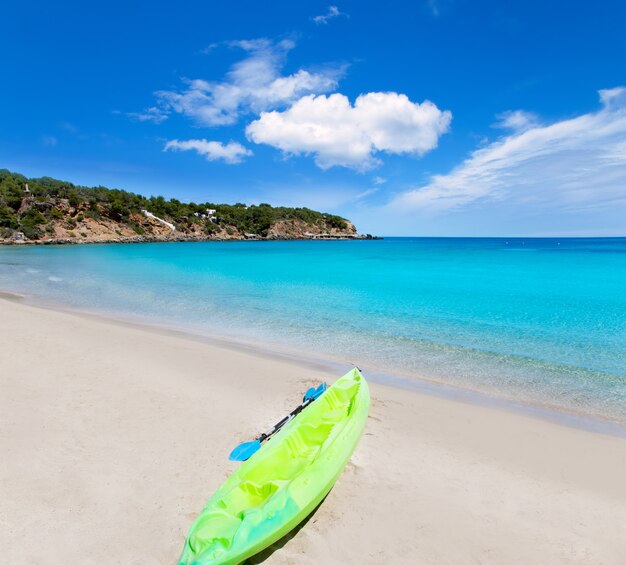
[279,544]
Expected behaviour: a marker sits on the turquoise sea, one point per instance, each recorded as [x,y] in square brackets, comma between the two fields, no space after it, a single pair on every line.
[536,321]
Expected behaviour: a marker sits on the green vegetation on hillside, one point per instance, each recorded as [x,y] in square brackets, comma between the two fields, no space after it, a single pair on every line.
[51,200]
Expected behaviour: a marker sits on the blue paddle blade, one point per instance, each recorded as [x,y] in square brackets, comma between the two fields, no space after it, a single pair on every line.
[244,451]
[315,392]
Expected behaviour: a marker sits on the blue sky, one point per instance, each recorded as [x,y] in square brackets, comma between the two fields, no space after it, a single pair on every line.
[434,117]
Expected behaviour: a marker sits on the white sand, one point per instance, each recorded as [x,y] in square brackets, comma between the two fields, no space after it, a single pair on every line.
[112,438]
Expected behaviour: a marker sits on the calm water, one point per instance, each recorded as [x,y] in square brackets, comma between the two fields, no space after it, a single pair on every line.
[540,320]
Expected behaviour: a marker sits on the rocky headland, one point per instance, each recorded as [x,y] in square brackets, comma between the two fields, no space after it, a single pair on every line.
[48,211]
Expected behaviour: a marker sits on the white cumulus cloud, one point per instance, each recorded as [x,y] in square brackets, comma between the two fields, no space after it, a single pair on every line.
[338,133]
[253,84]
[570,171]
[232,152]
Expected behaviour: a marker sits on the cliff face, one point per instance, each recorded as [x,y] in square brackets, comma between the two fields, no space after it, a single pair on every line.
[298,229]
[62,222]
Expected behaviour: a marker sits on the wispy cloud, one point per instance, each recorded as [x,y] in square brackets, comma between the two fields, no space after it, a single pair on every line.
[231,153]
[49,141]
[338,133]
[516,120]
[332,12]
[433,5]
[438,8]
[575,166]
[328,196]
[252,85]
[153,114]
[70,128]
[366,193]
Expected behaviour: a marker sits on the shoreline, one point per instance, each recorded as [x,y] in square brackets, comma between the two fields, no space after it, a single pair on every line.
[174,239]
[114,436]
[415,384]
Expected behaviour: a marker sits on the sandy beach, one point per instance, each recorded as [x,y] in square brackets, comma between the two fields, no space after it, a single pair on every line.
[112,438]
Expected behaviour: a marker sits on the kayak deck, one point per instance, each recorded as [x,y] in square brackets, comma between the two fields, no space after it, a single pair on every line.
[284,481]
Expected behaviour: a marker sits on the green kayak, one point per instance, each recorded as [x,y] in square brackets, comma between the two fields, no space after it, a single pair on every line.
[283,482]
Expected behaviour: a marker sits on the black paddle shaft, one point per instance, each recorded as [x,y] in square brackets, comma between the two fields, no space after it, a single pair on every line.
[280,424]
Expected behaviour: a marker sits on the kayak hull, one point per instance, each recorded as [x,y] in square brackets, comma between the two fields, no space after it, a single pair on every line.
[281,484]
